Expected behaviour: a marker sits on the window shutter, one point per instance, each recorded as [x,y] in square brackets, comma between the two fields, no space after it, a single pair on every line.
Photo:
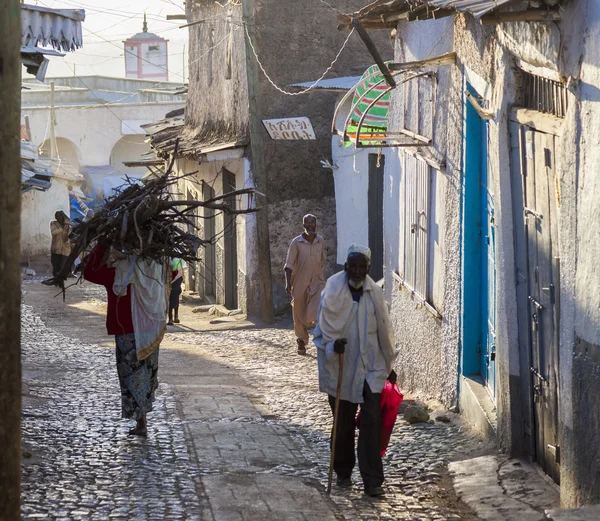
[422,233]
[410,220]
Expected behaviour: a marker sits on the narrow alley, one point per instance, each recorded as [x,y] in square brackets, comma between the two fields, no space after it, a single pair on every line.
[239,430]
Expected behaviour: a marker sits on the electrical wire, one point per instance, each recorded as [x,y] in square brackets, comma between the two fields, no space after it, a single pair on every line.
[303,91]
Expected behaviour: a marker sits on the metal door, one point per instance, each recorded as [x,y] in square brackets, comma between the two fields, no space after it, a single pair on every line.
[488,272]
[193,267]
[230,238]
[542,274]
[375,209]
[479,255]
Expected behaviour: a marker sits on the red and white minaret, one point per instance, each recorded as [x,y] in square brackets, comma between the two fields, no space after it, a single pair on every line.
[146,56]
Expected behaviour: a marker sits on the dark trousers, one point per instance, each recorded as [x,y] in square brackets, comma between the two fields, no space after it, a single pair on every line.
[369,438]
[174,296]
[58,261]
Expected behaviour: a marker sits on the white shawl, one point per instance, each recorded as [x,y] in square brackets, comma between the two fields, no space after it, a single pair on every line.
[336,309]
[148,300]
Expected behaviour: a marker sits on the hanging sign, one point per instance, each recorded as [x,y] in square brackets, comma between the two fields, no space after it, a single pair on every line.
[289,128]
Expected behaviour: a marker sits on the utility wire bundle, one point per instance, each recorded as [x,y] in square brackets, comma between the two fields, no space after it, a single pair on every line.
[147,221]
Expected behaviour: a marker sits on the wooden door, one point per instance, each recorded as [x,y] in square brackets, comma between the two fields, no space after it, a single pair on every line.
[209,274]
[375,209]
[230,238]
[542,307]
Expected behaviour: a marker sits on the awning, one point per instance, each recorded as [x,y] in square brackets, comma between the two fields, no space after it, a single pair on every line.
[367,122]
[60,28]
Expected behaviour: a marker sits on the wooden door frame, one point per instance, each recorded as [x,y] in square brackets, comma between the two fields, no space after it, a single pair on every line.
[551,125]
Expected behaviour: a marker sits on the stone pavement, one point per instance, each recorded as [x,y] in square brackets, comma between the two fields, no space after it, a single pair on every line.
[239,430]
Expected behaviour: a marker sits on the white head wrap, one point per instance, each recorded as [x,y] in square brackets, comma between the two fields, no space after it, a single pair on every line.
[357,248]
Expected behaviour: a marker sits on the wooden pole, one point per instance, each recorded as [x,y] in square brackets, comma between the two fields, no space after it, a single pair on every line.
[53,147]
[444,59]
[374,52]
[336,410]
[537,15]
[10,225]
[258,170]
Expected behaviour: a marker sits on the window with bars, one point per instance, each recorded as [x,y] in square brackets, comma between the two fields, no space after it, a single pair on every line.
[416,207]
[544,95]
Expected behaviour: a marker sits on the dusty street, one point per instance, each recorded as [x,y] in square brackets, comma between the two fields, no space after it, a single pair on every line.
[239,430]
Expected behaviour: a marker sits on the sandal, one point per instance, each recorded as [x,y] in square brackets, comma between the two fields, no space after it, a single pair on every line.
[138,432]
[301,347]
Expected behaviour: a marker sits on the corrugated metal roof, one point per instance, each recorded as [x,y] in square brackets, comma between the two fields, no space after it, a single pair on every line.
[375,11]
[476,7]
[33,177]
[60,28]
[32,49]
[343,83]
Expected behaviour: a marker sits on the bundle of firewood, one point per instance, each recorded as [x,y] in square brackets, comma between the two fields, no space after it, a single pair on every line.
[148,221]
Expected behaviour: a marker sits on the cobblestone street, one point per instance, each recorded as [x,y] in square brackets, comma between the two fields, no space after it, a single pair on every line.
[238,431]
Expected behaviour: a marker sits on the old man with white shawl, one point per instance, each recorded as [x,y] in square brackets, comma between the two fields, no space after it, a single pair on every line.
[354,320]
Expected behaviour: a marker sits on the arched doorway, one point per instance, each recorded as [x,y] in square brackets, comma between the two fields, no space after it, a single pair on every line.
[66,150]
[129,148]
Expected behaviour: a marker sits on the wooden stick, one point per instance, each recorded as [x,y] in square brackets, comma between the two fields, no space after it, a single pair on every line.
[533,15]
[444,59]
[336,410]
[374,52]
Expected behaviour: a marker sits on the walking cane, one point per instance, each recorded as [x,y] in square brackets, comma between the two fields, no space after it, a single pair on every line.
[335,421]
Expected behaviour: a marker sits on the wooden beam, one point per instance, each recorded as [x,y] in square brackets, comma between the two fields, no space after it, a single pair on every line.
[533,15]
[538,120]
[10,230]
[368,25]
[483,113]
[176,17]
[374,52]
[444,59]
[404,15]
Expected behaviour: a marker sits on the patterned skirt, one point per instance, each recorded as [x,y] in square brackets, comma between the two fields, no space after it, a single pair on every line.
[138,378]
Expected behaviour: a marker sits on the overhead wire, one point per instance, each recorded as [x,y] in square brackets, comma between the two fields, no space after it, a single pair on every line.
[311,87]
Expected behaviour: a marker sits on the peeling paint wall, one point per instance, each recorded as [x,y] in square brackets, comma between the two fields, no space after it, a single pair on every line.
[428,347]
[296,42]
[209,172]
[38,209]
[488,58]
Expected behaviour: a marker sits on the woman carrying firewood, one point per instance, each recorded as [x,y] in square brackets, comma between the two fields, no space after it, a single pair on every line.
[136,315]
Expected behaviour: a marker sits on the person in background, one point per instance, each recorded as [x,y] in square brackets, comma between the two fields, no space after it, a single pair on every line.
[304,278]
[60,249]
[136,315]
[354,320]
[178,266]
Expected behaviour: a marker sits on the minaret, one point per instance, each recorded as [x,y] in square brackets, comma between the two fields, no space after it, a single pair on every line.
[146,56]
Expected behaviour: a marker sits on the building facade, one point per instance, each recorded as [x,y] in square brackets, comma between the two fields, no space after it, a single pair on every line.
[489,242]
[97,129]
[217,118]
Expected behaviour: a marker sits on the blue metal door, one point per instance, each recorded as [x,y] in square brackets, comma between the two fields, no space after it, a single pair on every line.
[488,272]
[479,255]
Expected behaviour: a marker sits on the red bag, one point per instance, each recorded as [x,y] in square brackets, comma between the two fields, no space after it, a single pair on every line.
[391,398]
